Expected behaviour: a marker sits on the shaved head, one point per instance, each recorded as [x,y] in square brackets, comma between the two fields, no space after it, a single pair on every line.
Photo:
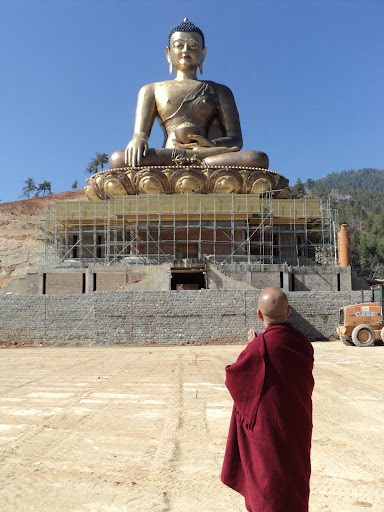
[273,306]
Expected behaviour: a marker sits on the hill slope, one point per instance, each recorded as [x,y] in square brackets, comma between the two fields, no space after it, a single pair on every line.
[359,198]
[21,235]
[363,179]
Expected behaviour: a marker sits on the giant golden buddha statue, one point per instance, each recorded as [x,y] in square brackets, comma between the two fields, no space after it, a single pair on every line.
[202,136]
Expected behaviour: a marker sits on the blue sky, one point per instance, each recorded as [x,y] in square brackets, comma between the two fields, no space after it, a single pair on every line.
[307,76]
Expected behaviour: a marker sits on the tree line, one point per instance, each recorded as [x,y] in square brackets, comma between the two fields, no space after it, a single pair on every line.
[358,196]
[30,188]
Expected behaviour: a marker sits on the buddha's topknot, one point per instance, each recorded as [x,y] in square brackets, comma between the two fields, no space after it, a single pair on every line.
[185,26]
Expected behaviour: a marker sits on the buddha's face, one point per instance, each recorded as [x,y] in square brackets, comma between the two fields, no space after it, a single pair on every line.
[186,50]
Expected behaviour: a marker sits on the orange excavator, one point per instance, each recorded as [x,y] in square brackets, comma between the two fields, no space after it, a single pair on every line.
[363,324]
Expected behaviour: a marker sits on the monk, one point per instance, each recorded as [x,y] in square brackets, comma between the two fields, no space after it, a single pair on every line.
[267,457]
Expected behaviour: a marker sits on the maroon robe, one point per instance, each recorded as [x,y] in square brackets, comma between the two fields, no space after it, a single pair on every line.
[267,458]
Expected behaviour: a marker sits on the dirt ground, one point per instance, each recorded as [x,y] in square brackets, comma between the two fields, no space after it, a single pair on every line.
[144,429]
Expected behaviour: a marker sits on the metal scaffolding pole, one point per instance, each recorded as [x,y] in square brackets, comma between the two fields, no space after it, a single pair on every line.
[147,227]
[187,230]
[137,226]
[199,251]
[232,229]
[158,229]
[214,228]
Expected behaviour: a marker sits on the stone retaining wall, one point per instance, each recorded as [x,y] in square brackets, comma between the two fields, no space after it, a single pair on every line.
[161,317]
[239,276]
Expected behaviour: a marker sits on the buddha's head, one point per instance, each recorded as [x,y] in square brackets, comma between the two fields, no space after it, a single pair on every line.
[186,47]
[186,26]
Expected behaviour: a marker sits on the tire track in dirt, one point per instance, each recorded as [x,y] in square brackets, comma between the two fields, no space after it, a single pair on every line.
[190,458]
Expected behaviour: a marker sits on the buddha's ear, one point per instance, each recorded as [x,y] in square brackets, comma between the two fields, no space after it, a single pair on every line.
[168,54]
[204,52]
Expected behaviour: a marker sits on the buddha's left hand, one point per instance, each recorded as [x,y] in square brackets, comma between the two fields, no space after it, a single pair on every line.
[203,147]
[197,141]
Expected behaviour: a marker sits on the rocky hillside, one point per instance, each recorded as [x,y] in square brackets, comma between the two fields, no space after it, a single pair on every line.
[21,233]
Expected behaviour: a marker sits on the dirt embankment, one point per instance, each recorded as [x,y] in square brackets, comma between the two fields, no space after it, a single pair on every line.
[22,235]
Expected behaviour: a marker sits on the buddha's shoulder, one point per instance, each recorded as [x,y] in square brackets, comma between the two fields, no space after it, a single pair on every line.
[219,88]
[157,85]
[153,89]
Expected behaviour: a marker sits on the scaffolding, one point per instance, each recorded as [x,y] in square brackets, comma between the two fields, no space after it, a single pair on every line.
[221,228]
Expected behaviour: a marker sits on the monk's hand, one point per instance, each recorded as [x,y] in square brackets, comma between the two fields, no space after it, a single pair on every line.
[136,149]
[251,335]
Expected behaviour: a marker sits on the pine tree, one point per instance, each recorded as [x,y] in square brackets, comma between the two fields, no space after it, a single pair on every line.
[44,187]
[298,190]
[97,164]
[29,187]
[102,159]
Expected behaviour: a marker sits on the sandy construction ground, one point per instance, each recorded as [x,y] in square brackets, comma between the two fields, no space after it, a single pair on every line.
[144,429]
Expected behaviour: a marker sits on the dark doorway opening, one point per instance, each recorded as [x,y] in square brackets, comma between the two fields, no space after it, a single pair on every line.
[74,248]
[44,283]
[188,280]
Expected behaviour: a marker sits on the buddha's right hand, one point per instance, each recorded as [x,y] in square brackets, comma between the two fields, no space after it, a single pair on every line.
[136,149]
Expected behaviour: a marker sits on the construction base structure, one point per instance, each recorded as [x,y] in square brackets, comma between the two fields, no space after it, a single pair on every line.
[188,242]
[222,228]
